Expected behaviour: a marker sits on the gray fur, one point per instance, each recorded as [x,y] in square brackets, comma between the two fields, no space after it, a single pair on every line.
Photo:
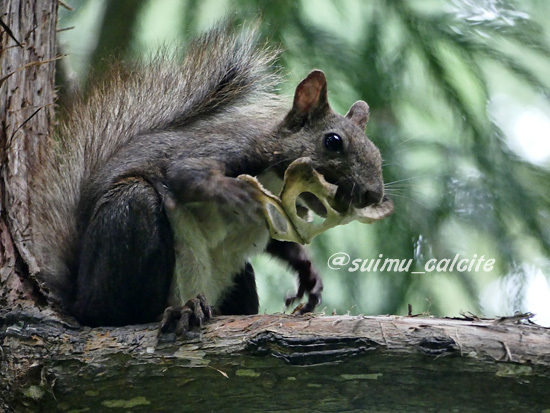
[157,96]
[187,130]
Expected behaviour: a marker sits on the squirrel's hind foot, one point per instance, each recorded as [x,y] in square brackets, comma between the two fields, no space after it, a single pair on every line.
[183,318]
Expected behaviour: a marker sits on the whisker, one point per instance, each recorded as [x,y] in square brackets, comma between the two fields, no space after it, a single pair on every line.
[404,142]
[407,179]
[404,186]
[410,199]
[410,189]
[283,160]
[351,197]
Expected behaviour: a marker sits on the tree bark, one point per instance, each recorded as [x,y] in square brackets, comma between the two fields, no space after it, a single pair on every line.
[27,57]
[279,363]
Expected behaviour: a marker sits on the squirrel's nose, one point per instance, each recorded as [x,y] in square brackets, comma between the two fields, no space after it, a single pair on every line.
[370,198]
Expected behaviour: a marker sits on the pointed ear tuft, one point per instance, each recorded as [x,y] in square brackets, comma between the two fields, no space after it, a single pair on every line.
[359,114]
[311,95]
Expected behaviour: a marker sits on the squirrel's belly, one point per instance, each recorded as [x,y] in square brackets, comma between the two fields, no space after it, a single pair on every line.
[211,248]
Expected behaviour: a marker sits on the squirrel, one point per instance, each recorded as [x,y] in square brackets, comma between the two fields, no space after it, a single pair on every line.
[139,208]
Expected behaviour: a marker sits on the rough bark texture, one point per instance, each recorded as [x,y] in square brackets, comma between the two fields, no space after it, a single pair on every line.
[279,363]
[27,64]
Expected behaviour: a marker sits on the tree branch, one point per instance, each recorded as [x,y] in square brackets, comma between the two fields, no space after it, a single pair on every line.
[277,362]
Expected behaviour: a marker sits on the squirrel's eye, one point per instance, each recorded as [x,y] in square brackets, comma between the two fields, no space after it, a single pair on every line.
[334,142]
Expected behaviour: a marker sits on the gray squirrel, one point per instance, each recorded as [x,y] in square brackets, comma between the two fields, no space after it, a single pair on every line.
[139,209]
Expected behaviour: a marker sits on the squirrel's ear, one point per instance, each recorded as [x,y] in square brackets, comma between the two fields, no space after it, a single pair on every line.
[359,114]
[310,98]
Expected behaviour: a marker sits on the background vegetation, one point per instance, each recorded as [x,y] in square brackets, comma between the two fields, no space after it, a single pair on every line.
[458,92]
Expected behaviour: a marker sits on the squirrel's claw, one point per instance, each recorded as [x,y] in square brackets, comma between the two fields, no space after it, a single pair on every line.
[309,282]
[183,318]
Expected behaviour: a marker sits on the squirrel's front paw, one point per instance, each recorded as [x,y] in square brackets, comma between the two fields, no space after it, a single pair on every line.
[240,200]
[180,319]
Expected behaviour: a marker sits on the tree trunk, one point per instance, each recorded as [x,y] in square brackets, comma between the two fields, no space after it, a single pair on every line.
[27,57]
[279,363]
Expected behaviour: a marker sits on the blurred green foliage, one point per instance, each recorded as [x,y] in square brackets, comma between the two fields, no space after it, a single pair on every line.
[458,92]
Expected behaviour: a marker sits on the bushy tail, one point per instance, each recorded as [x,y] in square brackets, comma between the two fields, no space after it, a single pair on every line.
[220,71]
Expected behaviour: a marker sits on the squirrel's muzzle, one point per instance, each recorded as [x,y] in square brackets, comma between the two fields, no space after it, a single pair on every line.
[352,195]
[369,198]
